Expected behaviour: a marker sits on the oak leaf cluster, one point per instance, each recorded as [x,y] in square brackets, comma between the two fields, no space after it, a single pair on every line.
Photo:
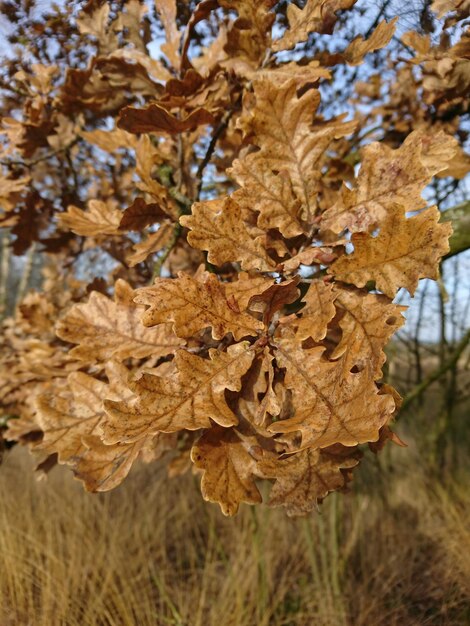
[245,269]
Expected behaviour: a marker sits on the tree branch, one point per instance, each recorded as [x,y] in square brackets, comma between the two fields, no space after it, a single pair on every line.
[44,157]
[210,149]
[440,371]
[460,218]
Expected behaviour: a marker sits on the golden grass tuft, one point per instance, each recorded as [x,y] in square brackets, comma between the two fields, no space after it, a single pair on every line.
[393,552]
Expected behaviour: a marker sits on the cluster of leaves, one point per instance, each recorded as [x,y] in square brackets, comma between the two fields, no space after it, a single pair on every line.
[253,266]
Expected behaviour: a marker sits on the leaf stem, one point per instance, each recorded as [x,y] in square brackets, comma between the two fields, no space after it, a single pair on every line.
[210,150]
[171,244]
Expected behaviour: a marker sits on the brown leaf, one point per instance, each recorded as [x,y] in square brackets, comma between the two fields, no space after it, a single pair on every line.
[359,47]
[317,313]
[228,469]
[100,218]
[420,43]
[70,419]
[302,74]
[101,467]
[106,329]
[368,321]
[329,408]
[272,300]
[152,243]
[389,177]
[140,214]
[270,194]
[97,24]
[192,306]
[249,36]
[304,479]
[246,286]
[317,16]
[148,158]
[202,10]
[156,119]
[110,140]
[441,7]
[281,125]
[405,250]
[189,400]
[10,190]
[218,227]
[318,255]
[166,10]
[258,397]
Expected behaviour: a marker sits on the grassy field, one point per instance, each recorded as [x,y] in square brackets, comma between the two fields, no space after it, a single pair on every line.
[393,552]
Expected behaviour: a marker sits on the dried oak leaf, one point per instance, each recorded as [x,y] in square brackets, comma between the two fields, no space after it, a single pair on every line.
[270,194]
[156,119]
[110,140]
[152,243]
[106,329]
[367,323]
[218,227]
[167,10]
[389,177]
[441,7]
[318,255]
[148,157]
[359,47]
[188,400]
[10,190]
[302,74]
[405,250]
[307,477]
[273,299]
[280,123]
[100,218]
[317,313]
[202,11]
[101,467]
[228,469]
[70,420]
[141,214]
[386,434]
[329,407]
[193,305]
[317,16]
[249,36]
[258,397]
[240,291]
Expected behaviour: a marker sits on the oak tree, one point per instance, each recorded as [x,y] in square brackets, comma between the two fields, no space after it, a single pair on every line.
[220,250]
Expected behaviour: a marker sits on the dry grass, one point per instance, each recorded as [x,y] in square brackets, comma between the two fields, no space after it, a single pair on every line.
[394,552]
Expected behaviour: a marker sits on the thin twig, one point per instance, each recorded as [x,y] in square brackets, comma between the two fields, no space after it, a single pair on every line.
[171,244]
[210,149]
[44,157]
